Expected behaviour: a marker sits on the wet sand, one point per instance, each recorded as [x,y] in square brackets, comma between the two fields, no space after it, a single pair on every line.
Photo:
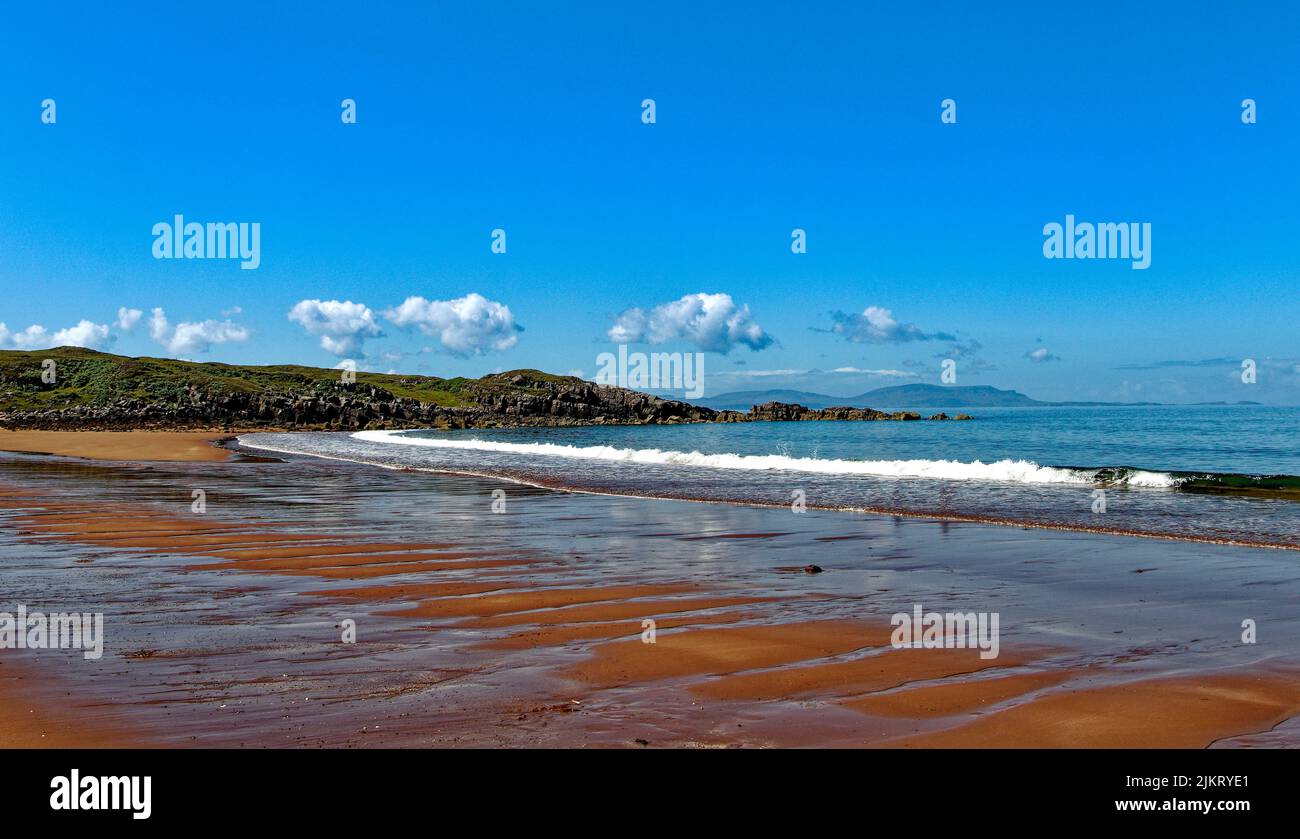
[38,714]
[227,628]
[1191,712]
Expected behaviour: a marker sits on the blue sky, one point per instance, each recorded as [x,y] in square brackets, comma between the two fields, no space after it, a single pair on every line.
[769,117]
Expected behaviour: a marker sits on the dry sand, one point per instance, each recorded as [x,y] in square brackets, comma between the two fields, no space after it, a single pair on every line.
[118,445]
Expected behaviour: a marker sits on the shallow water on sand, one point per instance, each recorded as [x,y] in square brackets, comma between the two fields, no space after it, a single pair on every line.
[212,652]
[878,467]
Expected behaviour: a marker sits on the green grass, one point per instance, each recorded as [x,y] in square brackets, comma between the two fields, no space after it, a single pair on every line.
[87,377]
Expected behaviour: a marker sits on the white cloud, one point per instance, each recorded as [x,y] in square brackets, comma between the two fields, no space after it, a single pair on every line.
[159,329]
[343,326]
[876,325]
[712,322]
[84,334]
[35,337]
[892,374]
[1042,354]
[469,325]
[189,337]
[855,371]
[761,374]
[128,318]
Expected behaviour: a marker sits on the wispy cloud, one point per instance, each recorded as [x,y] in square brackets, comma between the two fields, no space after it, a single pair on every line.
[877,325]
[966,354]
[890,374]
[961,349]
[1163,365]
[763,374]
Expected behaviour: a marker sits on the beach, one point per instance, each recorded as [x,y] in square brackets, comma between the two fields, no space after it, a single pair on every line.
[165,446]
[484,612]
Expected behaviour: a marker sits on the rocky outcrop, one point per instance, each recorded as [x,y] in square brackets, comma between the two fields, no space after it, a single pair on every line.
[785,412]
[511,399]
[358,406]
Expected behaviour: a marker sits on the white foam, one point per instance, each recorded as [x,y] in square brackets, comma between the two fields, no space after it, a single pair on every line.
[1141,478]
[1011,471]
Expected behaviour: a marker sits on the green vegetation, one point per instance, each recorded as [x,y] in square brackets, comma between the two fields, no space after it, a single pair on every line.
[87,377]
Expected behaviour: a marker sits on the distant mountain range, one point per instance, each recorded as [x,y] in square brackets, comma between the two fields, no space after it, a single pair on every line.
[905,397]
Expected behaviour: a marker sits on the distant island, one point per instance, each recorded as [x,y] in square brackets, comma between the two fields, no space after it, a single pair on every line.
[75,389]
[914,396]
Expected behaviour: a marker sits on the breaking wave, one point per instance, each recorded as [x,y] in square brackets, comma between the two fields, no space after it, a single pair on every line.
[1004,471]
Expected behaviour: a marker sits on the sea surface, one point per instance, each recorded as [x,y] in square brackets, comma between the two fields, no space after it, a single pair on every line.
[1204,473]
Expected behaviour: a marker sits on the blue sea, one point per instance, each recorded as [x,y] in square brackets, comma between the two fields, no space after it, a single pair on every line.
[1205,473]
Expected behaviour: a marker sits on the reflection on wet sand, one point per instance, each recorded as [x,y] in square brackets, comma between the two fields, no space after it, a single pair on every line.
[476,628]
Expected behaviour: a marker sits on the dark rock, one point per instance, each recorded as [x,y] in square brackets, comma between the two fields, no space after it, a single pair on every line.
[514,399]
[784,412]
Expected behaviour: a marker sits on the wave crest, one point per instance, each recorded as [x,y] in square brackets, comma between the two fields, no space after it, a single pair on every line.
[1006,471]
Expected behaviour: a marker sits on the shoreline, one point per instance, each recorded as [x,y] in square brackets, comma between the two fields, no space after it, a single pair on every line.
[202,446]
[492,636]
[920,515]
